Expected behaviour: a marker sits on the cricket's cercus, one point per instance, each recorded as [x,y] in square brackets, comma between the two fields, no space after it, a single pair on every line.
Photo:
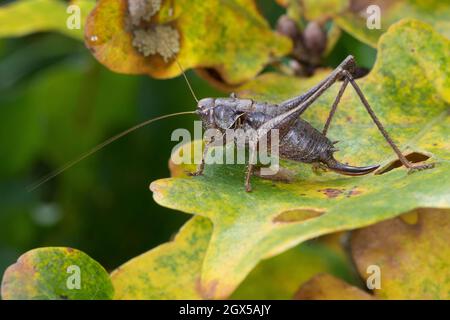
[298,140]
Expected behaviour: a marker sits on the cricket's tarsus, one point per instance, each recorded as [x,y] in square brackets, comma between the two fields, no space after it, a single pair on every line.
[413,157]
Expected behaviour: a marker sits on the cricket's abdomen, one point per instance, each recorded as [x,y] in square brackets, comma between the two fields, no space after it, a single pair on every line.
[304,143]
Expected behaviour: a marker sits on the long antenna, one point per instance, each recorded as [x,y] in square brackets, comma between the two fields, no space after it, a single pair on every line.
[70,164]
[181,69]
[100,146]
[186,79]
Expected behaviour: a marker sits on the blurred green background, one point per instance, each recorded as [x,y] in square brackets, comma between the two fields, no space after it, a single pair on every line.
[57,102]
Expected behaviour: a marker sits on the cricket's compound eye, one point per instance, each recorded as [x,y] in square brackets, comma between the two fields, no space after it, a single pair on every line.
[205,109]
[205,104]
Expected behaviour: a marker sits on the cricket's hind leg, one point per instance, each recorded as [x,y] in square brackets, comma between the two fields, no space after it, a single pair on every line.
[348,78]
[419,167]
[411,166]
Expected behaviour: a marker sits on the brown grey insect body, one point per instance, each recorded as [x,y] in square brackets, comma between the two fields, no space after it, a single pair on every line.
[306,144]
[299,141]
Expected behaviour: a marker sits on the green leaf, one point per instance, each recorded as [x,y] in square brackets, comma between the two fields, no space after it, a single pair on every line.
[409,90]
[231,37]
[412,260]
[354,20]
[170,271]
[49,273]
[279,277]
[353,15]
[323,9]
[23,17]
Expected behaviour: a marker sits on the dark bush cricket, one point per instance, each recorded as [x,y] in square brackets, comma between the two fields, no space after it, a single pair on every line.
[299,141]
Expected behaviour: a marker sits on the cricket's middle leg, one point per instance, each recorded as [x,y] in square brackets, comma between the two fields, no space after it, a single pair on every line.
[334,107]
[251,166]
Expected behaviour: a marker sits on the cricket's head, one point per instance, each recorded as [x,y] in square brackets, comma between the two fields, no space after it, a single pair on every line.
[221,113]
[205,109]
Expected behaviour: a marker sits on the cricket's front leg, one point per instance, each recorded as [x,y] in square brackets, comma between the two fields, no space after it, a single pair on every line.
[199,171]
[248,185]
[251,165]
[201,166]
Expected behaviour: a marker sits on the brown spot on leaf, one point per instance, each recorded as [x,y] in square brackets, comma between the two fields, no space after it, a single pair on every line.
[298,215]
[353,192]
[331,192]
[207,291]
